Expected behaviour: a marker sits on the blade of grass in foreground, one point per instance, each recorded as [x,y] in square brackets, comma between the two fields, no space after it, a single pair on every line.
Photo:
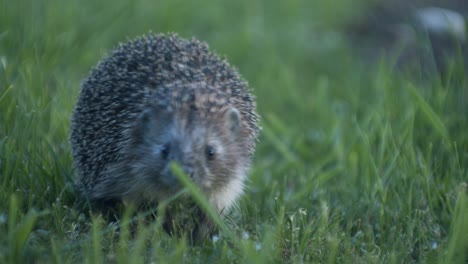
[201,200]
[458,242]
[19,233]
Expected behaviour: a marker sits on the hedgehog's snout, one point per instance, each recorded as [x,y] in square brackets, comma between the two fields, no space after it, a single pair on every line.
[188,170]
[170,179]
[167,179]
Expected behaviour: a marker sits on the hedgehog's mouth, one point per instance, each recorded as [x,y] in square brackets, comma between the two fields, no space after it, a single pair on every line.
[157,192]
[169,180]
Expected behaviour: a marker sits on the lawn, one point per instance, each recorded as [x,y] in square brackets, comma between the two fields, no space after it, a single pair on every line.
[357,162]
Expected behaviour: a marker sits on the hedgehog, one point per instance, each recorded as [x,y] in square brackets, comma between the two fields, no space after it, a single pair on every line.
[160,99]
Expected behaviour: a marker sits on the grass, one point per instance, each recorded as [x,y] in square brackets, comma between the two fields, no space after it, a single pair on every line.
[356,163]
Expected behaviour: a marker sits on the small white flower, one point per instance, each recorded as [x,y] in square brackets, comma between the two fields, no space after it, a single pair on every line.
[2,218]
[258,246]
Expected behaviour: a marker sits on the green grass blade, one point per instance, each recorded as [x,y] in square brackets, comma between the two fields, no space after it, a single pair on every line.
[429,113]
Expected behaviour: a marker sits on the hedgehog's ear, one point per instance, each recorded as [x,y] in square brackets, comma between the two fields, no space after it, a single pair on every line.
[150,121]
[145,116]
[142,124]
[233,121]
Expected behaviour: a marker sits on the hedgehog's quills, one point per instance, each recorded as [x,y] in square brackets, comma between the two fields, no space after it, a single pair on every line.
[155,100]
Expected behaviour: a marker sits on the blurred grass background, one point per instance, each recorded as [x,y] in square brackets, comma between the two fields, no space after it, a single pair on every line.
[357,162]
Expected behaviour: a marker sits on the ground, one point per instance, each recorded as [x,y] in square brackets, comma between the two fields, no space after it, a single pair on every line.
[360,160]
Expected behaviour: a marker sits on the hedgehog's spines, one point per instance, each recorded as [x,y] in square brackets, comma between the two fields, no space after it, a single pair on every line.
[165,70]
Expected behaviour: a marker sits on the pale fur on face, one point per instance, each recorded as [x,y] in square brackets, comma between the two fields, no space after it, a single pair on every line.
[226,198]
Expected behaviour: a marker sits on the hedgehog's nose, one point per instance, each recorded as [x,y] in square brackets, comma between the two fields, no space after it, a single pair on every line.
[188,170]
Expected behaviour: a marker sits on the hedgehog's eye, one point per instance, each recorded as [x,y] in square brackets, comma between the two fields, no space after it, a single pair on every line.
[210,152]
[165,149]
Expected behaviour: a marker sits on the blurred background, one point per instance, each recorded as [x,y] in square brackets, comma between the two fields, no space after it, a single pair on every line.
[285,41]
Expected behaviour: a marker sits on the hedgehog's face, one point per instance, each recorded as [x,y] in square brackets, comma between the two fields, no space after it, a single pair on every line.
[209,150]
